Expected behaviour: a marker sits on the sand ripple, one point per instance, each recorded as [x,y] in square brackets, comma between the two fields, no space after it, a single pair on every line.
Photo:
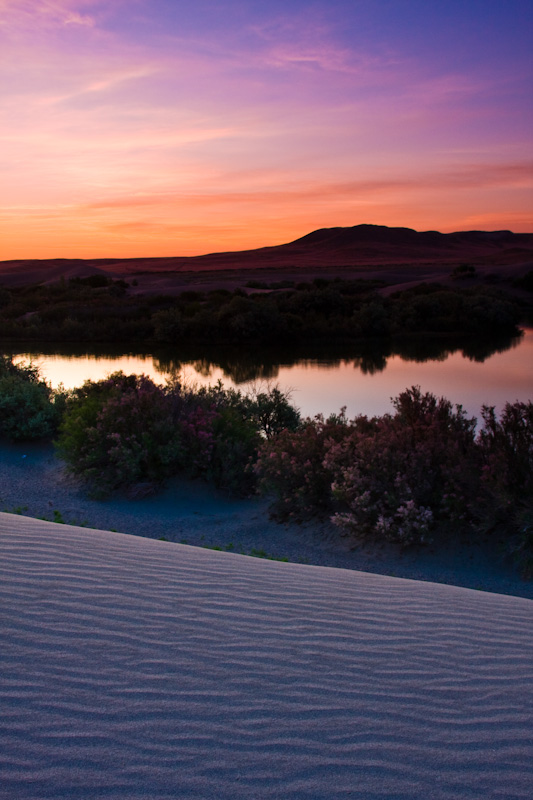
[137,668]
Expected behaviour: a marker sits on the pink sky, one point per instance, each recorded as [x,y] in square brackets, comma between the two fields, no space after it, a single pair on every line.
[166,128]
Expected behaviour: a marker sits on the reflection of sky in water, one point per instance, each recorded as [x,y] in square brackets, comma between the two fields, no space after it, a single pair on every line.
[319,387]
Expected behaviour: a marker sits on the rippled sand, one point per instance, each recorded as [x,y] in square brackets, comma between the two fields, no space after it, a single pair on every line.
[134,668]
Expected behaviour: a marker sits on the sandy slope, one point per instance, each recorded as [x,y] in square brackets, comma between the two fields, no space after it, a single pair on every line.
[137,668]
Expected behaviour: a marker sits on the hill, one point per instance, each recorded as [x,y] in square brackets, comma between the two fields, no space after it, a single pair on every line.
[396,255]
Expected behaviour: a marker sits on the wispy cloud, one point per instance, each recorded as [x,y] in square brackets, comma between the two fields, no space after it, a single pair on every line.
[49,13]
[476,176]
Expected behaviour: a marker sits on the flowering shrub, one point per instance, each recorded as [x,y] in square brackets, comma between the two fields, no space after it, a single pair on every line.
[195,424]
[291,467]
[120,432]
[394,475]
[125,431]
[391,476]
[222,429]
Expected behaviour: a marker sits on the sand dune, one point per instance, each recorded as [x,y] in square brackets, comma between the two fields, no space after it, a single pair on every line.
[134,668]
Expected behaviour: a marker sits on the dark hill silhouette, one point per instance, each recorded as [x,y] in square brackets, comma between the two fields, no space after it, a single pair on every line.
[402,243]
[365,250]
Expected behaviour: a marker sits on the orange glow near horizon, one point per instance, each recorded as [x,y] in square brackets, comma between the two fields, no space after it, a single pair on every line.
[136,129]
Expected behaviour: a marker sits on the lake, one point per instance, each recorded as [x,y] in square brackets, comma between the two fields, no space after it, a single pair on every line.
[362,378]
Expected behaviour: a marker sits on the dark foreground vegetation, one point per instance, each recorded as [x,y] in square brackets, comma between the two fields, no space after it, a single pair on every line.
[99,309]
[403,477]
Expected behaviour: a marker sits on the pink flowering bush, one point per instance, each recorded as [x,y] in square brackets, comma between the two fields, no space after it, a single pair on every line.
[219,445]
[119,433]
[394,476]
[290,467]
[222,430]
[127,432]
[196,426]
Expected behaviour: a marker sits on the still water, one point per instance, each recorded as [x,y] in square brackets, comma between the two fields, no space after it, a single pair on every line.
[364,380]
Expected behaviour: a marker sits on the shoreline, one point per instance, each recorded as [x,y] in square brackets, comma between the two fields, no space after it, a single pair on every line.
[33,484]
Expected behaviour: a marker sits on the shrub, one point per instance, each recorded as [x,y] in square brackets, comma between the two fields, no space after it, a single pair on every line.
[464,271]
[29,408]
[236,441]
[222,430]
[270,411]
[395,475]
[168,325]
[126,431]
[195,424]
[525,282]
[507,450]
[120,432]
[506,446]
[290,466]
[390,476]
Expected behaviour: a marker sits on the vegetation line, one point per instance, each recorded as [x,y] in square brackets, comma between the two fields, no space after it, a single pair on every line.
[99,309]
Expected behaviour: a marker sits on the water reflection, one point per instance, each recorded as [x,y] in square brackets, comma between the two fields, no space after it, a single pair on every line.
[369,357]
[362,377]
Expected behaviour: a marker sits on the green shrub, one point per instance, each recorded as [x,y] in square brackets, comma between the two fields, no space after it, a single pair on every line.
[270,411]
[464,271]
[525,282]
[506,446]
[29,408]
[236,441]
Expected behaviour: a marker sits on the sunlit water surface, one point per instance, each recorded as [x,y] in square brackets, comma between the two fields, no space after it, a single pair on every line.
[323,385]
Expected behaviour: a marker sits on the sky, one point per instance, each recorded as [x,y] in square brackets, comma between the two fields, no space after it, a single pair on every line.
[166,128]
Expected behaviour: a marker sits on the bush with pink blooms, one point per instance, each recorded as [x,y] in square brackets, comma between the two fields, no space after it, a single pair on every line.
[290,467]
[126,432]
[390,476]
[395,476]
[398,476]
[120,433]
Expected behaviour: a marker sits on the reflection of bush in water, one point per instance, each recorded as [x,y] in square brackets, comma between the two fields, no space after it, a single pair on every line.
[372,362]
[440,348]
[370,357]
[481,349]
[240,367]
